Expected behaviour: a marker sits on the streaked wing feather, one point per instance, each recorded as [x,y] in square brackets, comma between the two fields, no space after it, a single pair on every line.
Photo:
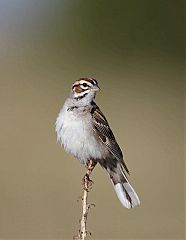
[106,135]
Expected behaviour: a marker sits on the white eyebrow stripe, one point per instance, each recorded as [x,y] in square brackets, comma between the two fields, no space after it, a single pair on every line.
[87,82]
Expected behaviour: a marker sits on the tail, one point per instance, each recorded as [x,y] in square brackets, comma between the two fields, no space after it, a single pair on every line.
[126,195]
[124,190]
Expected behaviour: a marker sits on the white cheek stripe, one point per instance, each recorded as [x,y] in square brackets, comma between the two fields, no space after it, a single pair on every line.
[81,94]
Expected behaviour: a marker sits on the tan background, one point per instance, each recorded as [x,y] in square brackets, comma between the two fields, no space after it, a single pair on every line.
[135,50]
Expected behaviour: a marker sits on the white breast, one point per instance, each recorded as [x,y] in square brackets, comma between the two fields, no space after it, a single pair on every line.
[75,132]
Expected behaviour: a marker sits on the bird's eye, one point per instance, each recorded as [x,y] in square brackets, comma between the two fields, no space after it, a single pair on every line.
[85,85]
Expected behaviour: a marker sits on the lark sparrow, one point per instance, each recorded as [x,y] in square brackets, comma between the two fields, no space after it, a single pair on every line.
[84,132]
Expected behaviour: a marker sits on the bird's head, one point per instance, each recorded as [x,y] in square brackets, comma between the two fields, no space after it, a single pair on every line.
[84,88]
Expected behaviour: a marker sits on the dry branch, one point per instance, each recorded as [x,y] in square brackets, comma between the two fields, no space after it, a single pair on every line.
[85,205]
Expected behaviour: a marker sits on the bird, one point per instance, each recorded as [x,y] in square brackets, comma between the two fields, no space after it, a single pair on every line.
[84,132]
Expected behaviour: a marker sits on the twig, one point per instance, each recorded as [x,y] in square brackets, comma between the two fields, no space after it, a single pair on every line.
[86,184]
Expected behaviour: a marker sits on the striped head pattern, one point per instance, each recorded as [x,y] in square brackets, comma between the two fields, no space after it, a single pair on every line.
[84,87]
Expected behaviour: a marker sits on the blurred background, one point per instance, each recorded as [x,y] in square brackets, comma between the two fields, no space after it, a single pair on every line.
[135,49]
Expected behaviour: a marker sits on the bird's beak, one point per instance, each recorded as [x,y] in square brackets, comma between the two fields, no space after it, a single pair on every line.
[95,89]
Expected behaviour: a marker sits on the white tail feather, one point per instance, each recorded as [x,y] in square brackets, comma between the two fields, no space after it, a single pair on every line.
[121,189]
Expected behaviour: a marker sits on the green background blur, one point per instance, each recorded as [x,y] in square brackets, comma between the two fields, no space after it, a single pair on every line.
[135,49]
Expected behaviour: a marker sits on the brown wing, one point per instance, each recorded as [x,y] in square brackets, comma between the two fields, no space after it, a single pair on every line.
[101,127]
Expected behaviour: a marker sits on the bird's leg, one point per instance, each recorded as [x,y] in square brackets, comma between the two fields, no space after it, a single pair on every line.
[90,167]
[86,183]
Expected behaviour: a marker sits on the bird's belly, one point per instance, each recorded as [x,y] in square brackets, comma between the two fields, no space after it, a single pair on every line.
[81,141]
